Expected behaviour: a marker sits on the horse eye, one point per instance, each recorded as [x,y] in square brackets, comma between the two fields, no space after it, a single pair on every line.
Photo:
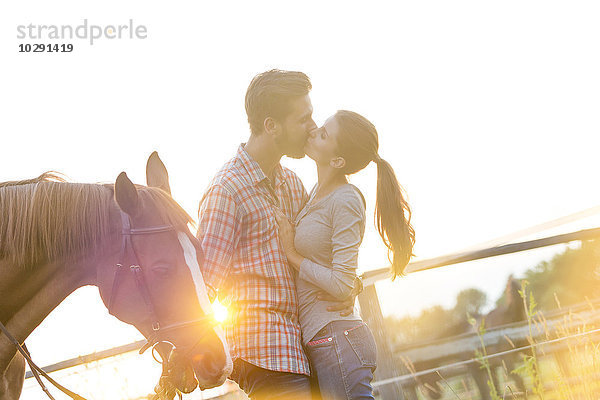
[162,271]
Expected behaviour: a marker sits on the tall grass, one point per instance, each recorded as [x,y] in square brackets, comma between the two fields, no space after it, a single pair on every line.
[562,362]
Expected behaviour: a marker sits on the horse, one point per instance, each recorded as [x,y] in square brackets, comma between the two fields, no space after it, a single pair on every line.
[134,244]
[510,310]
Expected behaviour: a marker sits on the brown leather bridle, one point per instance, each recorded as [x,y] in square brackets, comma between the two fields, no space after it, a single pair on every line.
[127,248]
[158,330]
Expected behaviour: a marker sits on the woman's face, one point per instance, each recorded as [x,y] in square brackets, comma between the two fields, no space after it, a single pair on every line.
[321,145]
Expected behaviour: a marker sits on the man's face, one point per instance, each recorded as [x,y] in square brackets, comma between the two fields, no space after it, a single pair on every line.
[296,127]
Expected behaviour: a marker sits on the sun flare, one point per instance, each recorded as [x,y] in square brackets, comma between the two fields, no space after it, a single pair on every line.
[219,311]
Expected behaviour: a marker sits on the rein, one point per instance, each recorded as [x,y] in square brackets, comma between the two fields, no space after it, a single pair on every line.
[37,371]
[135,268]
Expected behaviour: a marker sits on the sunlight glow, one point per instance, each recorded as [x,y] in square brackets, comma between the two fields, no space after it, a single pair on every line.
[220,311]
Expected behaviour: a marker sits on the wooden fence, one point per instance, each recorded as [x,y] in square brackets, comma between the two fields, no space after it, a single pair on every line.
[388,367]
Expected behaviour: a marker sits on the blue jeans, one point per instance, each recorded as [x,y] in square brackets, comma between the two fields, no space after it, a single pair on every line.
[343,358]
[263,384]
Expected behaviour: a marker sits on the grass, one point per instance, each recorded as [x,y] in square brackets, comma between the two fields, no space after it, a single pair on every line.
[568,368]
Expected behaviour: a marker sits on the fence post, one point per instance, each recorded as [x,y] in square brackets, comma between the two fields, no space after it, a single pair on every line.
[386,366]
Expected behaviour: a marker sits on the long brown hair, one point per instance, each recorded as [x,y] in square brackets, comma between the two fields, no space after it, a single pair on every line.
[358,144]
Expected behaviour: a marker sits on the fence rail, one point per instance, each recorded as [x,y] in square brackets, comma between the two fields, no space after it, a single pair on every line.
[370,277]
[464,344]
[88,358]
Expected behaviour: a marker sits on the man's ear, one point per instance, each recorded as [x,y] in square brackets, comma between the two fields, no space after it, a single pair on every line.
[271,126]
[338,162]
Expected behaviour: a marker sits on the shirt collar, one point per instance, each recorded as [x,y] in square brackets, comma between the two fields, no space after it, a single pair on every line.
[255,172]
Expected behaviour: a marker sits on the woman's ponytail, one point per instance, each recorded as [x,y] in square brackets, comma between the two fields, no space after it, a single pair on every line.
[392,218]
[358,144]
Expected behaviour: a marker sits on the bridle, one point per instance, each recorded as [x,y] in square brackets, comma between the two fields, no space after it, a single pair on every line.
[158,330]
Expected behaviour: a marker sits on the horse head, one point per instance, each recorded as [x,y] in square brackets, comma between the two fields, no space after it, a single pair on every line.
[156,284]
[514,302]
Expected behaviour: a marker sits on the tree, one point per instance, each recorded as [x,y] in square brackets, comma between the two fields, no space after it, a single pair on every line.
[572,275]
[469,301]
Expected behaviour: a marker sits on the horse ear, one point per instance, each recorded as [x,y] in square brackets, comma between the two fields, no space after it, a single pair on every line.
[126,194]
[156,173]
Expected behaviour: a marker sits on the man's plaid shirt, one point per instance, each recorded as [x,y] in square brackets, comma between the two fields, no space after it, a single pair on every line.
[244,260]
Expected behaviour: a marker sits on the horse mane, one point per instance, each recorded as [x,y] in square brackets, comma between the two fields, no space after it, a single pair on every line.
[49,176]
[46,218]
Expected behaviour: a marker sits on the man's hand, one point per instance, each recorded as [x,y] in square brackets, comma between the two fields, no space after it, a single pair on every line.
[346,306]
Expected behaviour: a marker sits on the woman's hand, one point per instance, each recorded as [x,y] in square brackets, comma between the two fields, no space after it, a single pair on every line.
[286,231]
[286,235]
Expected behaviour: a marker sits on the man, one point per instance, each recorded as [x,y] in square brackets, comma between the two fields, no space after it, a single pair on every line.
[243,257]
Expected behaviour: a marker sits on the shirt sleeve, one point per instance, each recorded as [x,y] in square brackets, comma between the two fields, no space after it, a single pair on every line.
[348,221]
[219,230]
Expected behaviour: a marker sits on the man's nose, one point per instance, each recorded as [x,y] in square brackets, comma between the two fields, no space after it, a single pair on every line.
[312,126]
[312,133]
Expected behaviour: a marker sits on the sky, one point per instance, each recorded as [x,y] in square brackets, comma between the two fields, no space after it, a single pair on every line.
[488,112]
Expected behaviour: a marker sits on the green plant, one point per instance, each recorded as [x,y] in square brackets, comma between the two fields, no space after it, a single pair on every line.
[481,356]
[530,364]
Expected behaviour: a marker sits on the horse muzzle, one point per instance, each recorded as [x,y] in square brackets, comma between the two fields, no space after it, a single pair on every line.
[204,370]
[211,369]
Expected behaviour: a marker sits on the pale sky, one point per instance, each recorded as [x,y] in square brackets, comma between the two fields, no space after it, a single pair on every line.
[488,111]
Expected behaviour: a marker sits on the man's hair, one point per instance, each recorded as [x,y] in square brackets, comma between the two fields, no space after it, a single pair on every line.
[269,95]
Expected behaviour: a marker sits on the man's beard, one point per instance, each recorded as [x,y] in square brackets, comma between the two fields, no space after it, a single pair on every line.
[288,146]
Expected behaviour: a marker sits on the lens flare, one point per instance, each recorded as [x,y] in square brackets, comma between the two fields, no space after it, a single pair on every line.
[219,311]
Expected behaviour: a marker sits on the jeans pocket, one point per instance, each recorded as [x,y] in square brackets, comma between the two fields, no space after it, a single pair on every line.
[321,338]
[320,342]
[362,342]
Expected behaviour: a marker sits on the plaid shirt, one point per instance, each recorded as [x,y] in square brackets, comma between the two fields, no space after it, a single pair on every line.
[244,260]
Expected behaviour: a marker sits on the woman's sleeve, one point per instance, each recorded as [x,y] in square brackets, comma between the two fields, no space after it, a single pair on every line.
[348,221]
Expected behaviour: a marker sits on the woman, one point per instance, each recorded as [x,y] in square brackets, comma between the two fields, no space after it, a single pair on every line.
[324,249]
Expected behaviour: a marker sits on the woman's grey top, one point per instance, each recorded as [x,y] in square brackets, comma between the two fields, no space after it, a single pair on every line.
[328,234]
